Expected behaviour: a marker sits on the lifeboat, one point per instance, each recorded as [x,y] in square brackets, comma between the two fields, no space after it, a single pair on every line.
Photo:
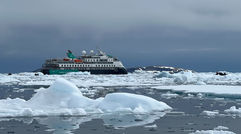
[66,59]
[78,60]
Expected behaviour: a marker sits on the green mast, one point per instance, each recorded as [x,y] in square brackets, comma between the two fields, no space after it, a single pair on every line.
[70,55]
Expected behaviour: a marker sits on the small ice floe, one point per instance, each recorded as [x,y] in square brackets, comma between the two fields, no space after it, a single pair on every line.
[176,113]
[169,95]
[233,110]
[151,127]
[216,130]
[63,98]
[210,113]
[200,95]
[189,96]
[50,130]
[221,128]
[219,99]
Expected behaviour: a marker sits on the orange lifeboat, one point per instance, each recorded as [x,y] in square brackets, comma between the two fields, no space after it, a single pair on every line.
[65,59]
[78,60]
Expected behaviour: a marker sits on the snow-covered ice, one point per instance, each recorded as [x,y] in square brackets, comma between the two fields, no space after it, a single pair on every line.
[191,82]
[137,78]
[64,98]
[131,102]
[195,78]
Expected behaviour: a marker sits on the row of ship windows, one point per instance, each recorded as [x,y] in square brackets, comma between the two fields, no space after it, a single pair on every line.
[92,60]
[80,65]
[95,60]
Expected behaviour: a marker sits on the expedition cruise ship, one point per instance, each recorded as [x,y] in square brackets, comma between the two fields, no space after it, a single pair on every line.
[95,63]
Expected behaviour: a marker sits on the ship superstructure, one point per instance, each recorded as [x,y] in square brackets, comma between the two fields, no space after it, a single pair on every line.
[95,63]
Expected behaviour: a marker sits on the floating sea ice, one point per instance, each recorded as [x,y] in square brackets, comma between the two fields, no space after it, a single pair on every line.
[217,130]
[221,128]
[151,126]
[212,132]
[210,113]
[182,77]
[194,78]
[5,79]
[138,78]
[131,102]
[233,110]
[169,95]
[64,98]
[210,89]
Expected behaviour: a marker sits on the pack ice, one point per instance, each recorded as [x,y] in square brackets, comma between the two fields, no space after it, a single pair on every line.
[190,82]
[64,98]
[138,78]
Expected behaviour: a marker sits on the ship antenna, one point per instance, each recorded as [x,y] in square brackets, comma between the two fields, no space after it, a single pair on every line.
[100,51]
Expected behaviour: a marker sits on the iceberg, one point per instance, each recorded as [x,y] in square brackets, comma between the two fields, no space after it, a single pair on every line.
[63,98]
[131,102]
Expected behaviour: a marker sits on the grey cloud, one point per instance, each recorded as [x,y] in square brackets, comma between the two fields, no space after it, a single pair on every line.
[107,15]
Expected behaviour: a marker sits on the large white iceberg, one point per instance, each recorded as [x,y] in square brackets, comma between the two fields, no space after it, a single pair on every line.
[64,98]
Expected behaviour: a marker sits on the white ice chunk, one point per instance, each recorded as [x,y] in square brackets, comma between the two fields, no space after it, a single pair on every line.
[210,113]
[131,102]
[212,132]
[151,126]
[169,95]
[221,128]
[216,130]
[64,98]
[233,110]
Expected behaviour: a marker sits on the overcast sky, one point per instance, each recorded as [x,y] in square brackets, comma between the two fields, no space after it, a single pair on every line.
[203,35]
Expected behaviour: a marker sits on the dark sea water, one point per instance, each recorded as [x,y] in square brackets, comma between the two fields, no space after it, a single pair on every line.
[186,116]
